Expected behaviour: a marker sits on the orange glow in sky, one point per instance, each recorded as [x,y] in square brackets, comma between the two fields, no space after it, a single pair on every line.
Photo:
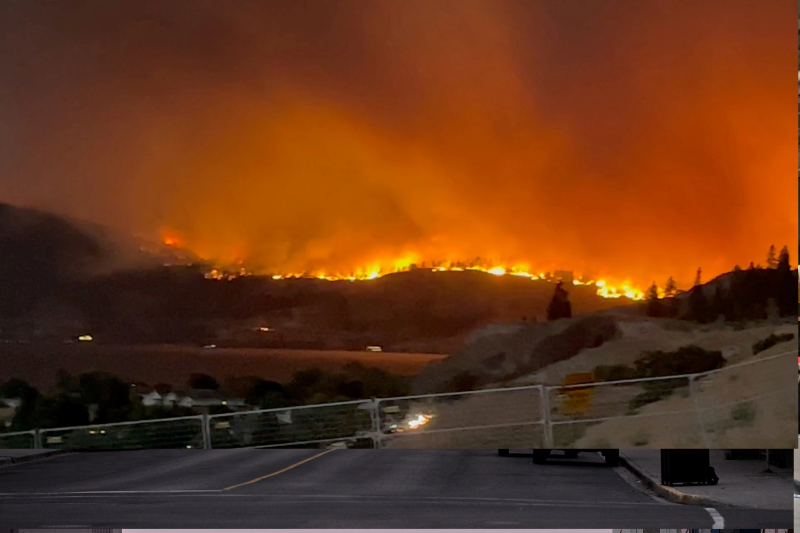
[625,141]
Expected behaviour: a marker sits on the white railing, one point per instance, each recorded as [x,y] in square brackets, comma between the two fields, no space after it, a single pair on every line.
[702,406]
[292,426]
[19,439]
[490,418]
[178,432]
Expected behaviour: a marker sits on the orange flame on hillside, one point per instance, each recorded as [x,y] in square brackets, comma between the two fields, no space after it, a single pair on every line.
[604,288]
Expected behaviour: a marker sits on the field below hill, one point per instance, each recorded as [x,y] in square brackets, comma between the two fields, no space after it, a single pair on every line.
[38,364]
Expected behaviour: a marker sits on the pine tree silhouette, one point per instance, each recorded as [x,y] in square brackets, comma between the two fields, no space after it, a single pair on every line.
[772,262]
[786,283]
[783,260]
[719,304]
[559,306]
[698,305]
[670,289]
[654,305]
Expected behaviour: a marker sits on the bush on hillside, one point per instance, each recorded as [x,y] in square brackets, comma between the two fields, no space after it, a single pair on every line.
[771,341]
[686,360]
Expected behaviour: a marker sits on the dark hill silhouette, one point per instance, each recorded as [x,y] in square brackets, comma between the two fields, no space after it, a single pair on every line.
[41,253]
[51,287]
[739,295]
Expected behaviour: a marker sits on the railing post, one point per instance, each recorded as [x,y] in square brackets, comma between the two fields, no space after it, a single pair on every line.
[206,423]
[375,415]
[37,439]
[548,427]
[693,394]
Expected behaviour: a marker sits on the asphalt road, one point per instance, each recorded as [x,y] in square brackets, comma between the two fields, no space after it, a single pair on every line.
[341,489]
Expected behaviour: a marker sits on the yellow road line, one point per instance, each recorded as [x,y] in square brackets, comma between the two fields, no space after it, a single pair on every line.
[279,471]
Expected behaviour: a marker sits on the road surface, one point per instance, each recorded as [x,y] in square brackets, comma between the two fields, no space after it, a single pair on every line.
[247,488]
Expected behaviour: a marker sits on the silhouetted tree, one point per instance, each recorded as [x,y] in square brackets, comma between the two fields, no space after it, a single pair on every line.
[203,381]
[786,284]
[559,306]
[719,304]
[63,410]
[261,389]
[772,262]
[670,289]
[752,294]
[698,278]
[65,382]
[109,393]
[783,260]
[654,305]
[25,416]
[698,305]
[351,389]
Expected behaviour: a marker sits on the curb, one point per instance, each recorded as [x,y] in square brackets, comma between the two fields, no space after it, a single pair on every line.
[10,461]
[669,493]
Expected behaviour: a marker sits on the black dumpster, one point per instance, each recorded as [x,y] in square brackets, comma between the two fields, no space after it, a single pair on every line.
[686,466]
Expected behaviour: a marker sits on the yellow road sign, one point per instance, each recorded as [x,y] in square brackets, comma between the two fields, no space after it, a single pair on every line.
[578,399]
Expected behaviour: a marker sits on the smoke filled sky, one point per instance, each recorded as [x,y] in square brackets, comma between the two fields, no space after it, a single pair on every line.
[637,139]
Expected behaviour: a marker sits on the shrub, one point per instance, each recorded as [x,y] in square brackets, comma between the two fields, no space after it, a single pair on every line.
[685,360]
[613,373]
[462,382]
[771,341]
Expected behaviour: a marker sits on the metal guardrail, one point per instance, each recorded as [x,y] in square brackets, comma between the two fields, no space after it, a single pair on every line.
[178,432]
[492,418]
[518,417]
[703,397]
[291,426]
[19,440]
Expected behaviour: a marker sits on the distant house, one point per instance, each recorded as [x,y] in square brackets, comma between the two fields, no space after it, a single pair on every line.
[200,399]
[186,401]
[163,389]
[151,398]
[8,408]
[170,399]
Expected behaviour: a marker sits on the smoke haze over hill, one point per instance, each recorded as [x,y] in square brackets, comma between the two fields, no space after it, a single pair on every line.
[636,139]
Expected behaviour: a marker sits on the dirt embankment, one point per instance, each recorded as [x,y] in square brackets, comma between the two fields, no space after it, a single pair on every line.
[745,406]
[514,352]
[546,352]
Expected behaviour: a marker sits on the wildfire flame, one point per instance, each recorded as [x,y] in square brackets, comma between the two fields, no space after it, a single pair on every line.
[603,287]
[170,238]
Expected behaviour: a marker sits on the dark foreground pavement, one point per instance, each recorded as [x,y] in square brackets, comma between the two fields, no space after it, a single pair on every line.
[342,489]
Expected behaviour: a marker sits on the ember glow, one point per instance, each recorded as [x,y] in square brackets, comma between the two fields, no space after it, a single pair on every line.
[603,287]
[626,142]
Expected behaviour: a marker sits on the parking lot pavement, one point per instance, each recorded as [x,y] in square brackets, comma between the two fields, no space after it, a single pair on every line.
[11,457]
